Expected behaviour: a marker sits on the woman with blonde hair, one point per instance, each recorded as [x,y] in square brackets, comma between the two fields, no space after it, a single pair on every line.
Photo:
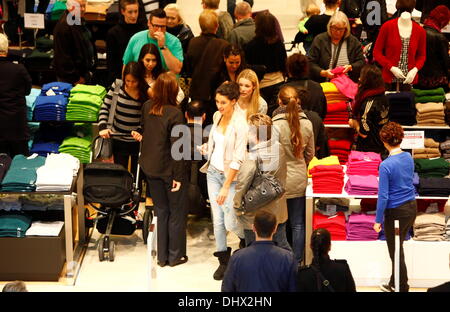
[297,138]
[250,102]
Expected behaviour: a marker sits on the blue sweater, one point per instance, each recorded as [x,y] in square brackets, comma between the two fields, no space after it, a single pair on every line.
[395,184]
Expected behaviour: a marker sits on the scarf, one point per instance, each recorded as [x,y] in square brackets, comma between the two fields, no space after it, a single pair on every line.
[360,97]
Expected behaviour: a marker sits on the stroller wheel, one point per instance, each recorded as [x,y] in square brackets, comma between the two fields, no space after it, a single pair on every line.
[101,252]
[112,249]
[147,221]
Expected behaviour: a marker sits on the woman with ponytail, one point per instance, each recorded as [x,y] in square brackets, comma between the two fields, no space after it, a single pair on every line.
[324,274]
[297,138]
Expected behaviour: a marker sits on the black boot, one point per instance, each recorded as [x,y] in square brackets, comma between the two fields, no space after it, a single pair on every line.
[224,257]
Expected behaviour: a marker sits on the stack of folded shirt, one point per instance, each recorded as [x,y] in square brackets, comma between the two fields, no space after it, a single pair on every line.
[42,202]
[341,148]
[327,161]
[41,228]
[57,173]
[50,108]
[21,176]
[10,203]
[438,187]
[332,94]
[337,204]
[85,102]
[425,96]
[44,148]
[432,168]
[445,147]
[57,88]
[429,227]
[362,185]
[335,225]
[30,99]
[327,179]
[447,108]
[416,182]
[360,227]
[337,114]
[430,114]
[77,147]
[14,225]
[368,204]
[401,108]
[363,163]
[431,150]
[431,205]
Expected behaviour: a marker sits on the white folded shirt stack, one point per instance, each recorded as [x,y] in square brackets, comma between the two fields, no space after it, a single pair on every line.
[39,228]
[57,173]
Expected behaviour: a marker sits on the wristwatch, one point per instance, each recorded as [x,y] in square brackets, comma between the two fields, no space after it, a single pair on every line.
[163,47]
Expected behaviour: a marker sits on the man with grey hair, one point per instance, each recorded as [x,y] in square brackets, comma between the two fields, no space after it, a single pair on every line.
[15,84]
[75,56]
[244,29]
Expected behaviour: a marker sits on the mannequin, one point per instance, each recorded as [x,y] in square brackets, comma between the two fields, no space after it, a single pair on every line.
[395,36]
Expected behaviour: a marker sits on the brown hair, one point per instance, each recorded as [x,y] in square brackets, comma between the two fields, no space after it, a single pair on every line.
[165,92]
[262,123]
[405,5]
[297,65]
[392,134]
[265,223]
[211,4]
[289,96]
[208,21]
[370,79]
[123,3]
[265,27]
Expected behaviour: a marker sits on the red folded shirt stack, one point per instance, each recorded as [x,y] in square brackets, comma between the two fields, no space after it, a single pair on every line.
[340,148]
[336,113]
[335,225]
[327,179]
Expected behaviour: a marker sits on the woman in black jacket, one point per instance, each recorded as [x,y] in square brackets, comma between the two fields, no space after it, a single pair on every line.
[435,73]
[322,268]
[165,175]
[336,47]
[370,110]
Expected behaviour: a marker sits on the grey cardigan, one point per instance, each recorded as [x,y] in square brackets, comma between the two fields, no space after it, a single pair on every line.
[297,178]
[320,56]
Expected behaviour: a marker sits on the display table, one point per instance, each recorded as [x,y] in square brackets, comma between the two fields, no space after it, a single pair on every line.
[72,237]
[369,261]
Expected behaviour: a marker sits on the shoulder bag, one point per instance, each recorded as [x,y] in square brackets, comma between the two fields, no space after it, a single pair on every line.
[264,189]
[102,146]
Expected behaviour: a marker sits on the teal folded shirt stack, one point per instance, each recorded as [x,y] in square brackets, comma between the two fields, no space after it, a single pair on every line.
[21,176]
[432,168]
[426,96]
[14,225]
[77,147]
[85,102]
[31,98]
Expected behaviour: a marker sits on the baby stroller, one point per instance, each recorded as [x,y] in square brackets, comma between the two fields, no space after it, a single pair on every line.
[111,191]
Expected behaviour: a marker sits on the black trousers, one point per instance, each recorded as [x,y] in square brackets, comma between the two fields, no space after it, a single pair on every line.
[406,214]
[13,148]
[172,218]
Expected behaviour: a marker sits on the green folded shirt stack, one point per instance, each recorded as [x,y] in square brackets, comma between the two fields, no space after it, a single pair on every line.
[21,176]
[425,96]
[85,102]
[14,225]
[432,168]
[77,147]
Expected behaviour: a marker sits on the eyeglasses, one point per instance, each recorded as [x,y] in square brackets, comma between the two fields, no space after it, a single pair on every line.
[159,26]
[333,28]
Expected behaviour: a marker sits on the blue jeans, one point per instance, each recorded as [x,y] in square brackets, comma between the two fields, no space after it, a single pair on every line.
[279,237]
[224,218]
[296,220]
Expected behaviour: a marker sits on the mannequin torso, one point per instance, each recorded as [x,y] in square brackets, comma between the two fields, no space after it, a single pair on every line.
[405,25]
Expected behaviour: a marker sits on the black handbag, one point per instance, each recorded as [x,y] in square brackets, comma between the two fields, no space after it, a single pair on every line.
[103,147]
[264,189]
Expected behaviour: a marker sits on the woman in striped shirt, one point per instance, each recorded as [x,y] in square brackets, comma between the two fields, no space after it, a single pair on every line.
[127,116]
